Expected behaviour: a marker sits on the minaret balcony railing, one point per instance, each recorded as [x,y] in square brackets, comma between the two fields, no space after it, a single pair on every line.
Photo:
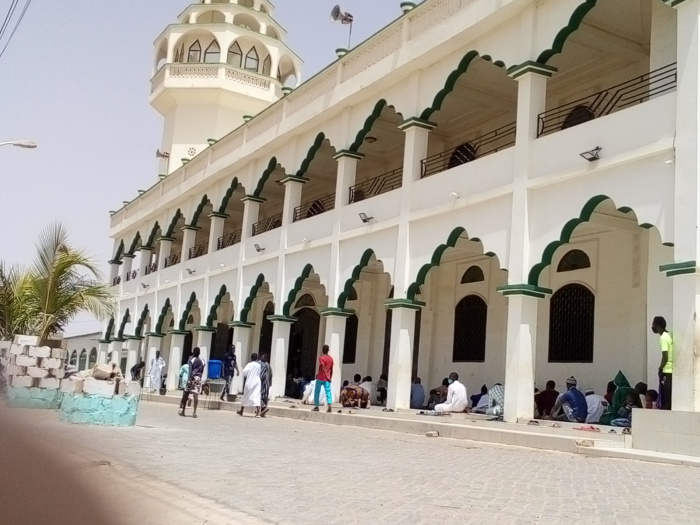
[227,74]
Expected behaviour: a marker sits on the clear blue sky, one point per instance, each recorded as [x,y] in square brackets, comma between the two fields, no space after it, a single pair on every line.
[75,79]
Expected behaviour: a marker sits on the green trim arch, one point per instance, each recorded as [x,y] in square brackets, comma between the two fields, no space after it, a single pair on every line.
[369,122]
[355,276]
[161,318]
[318,142]
[305,273]
[173,223]
[568,230]
[198,212]
[125,319]
[271,166]
[227,196]
[248,303]
[186,312]
[109,331]
[136,240]
[214,307]
[152,235]
[138,331]
[452,81]
[120,251]
[574,23]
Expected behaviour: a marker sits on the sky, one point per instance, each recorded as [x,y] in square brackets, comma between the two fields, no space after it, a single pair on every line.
[75,79]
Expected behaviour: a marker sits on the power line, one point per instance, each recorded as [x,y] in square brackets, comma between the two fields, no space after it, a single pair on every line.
[8,17]
[19,21]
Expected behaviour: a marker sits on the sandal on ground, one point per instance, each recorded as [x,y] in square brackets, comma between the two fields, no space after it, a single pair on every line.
[627,431]
[612,431]
[194,416]
[556,425]
[589,428]
[533,423]
[314,409]
[181,413]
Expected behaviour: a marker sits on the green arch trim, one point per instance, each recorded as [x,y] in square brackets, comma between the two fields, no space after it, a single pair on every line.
[318,142]
[161,317]
[369,122]
[574,23]
[122,325]
[186,312]
[120,251]
[198,212]
[227,196]
[136,240]
[356,271]
[173,223]
[248,304]
[567,231]
[271,166]
[305,273]
[138,331]
[217,301]
[452,81]
[109,330]
[152,235]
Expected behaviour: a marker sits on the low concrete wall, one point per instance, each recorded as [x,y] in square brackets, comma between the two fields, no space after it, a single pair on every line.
[88,409]
[668,431]
[20,397]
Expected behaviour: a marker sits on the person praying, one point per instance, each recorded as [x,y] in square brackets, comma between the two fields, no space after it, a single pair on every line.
[457,398]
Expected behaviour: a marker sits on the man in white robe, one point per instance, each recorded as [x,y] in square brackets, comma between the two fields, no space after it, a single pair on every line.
[155,372]
[308,397]
[457,398]
[251,386]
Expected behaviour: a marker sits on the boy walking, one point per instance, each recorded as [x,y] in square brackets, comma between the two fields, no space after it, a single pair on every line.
[323,379]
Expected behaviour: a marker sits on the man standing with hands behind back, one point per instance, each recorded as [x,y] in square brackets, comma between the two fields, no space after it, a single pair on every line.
[658,326]
[323,379]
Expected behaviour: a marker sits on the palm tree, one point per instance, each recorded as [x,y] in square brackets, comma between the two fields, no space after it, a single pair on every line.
[62,283]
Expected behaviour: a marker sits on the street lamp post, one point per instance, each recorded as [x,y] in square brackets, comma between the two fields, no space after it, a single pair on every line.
[29,144]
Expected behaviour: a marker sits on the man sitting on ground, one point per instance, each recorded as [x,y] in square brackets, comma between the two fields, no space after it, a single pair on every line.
[652,398]
[371,387]
[417,394]
[356,380]
[641,389]
[596,406]
[457,398]
[546,399]
[438,395]
[496,400]
[572,403]
[479,404]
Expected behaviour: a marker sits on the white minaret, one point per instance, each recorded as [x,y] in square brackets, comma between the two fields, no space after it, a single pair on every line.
[223,60]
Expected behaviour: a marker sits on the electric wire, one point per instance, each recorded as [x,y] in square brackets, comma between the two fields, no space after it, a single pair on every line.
[19,21]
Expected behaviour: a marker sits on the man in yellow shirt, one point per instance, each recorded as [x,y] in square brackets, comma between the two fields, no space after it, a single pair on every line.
[658,326]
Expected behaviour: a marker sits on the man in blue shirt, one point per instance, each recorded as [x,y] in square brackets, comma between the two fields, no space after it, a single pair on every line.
[417,394]
[230,369]
[572,403]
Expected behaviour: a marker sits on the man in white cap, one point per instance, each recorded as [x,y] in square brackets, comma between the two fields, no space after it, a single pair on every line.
[596,406]
[572,403]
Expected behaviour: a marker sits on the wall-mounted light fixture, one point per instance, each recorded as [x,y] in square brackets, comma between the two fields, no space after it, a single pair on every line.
[190,271]
[592,154]
[167,281]
[222,265]
[455,195]
[369,139]
[145,286]
[258,248]
[365,218]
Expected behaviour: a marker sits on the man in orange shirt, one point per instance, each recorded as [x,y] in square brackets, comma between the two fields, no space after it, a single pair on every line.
[323,379]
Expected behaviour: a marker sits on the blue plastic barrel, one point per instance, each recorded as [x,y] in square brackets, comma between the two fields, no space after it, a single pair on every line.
[215,369]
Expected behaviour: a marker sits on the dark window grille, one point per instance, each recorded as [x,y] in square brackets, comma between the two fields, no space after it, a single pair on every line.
[350,345]
[316,207]
[199,250]
[571,325]
[474,274]
[268,224]
[173,259]
[151,268]
[376,186]
[229,240]
[469,343]
[574,260]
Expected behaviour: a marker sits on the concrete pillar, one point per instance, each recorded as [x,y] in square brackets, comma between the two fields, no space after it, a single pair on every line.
[216,230]
[292,197]
[242,340]
[132,356]
[203,341]
[347,171]
[403,324]
[102,351]
[662,49]
[189,237]
[127,266]
[164,251]
[281,327]
[154,343]
[251,212]
[336,322]
[146,254]
[115,351]
[114,271]
[172,366]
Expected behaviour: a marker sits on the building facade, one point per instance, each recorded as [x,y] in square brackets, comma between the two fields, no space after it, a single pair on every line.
[505,189]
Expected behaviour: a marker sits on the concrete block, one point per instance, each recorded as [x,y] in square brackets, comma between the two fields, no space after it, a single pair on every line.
[29,340]
[99,388]
[40,373]
[59,353]
[133,389]
[18,349]
[14,370]
[58,373]
[121,388]
[40,351]
[22,381]
[5,345]
[51,363]
[25,360]
[72,386]
[50,383]
[103,371]
[432,434]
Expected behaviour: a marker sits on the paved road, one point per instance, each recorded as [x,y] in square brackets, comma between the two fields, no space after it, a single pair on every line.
[283,471]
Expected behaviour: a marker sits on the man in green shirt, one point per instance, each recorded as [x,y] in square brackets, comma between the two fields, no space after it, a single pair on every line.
[658,326]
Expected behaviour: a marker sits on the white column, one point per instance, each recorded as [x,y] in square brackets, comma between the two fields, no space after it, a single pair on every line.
[662,49]
[146,254]
[189,237]
[403,324]
[336,322]
[292,197]
[164,251]
[251,213]
[115,350]
[216,230]
[345,178]
[114,271]
[242,339]
[102,352]
[203,338]
[132,356]
[177,342]
[126,267]
[281,327]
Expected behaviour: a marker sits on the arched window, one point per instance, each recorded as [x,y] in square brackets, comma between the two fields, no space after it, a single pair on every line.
[350,345]
[235,55]
[469,344]
[82,361]
[474,274]
[92,361]
[252,61]
[180,54]
[574,260]
[306,300]
[195,52]
[571,325]
[267,66]
[74,357]
[212,54]
[352,296]
[246,3]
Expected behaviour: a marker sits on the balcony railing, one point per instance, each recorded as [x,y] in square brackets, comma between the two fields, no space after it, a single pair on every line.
[199,250]
[268,224]
[228,72]
[376,186]
[151,268]
[618,97]
[116,281]
[133,274]
[501,138]
[173,259]
[316,207]
[229,240]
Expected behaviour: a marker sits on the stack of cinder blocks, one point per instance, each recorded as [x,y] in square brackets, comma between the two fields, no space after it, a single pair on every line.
[33,372]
